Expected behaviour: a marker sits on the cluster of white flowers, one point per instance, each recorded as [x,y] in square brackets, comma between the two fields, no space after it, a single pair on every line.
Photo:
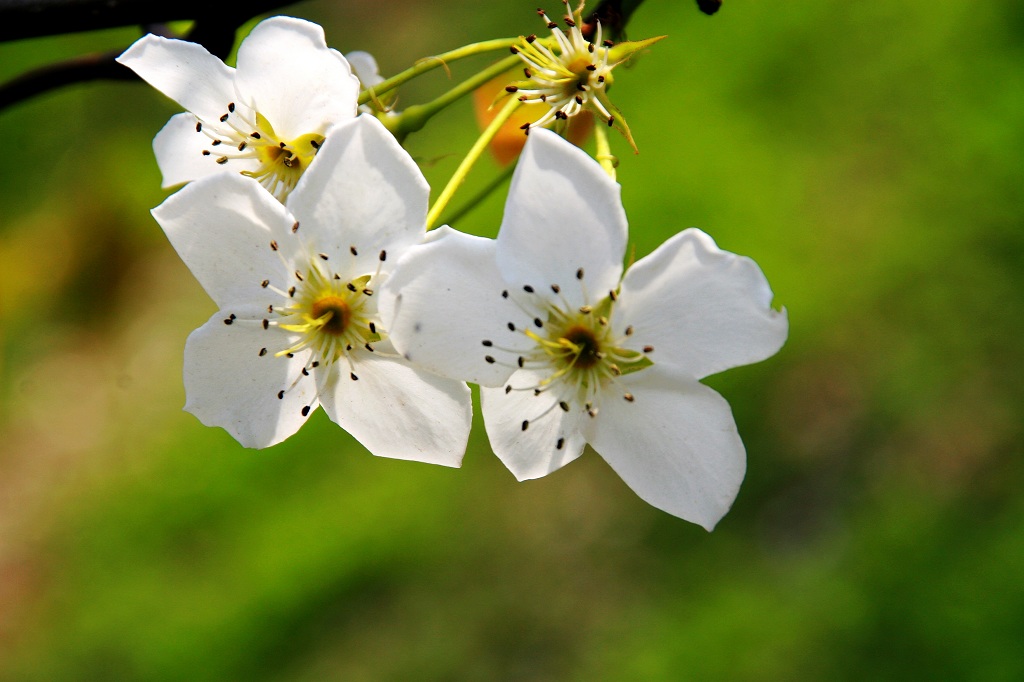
[309,234]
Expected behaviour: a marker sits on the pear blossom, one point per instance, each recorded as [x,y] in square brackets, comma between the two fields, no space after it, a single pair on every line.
[572,75]
[265,119]
[298,323]
[568,351]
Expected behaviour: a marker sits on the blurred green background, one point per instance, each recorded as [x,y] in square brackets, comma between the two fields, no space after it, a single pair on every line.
[869,156]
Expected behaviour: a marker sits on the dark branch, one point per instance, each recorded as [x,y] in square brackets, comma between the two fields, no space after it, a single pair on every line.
[216,32]
[34,18]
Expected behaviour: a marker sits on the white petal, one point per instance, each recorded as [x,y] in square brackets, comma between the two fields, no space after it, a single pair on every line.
[675,445]
[291,77]
[703,309]
[365,68]
[563,213]
[185,72]
[222,227]
[179,153]
[552,438]
[397,411]
[229,384]
[365,191]
[443,300]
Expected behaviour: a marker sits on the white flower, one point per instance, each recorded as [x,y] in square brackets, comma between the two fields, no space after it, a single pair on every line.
[265,119]
[570,354]
[298,323]
[574,76]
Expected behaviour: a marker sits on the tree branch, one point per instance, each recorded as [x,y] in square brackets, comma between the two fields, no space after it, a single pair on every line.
[34,18]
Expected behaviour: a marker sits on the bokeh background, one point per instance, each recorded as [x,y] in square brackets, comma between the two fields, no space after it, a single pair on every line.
[867,154]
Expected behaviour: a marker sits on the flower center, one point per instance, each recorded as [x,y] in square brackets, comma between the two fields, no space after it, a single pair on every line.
[333,316]
[583,348]
[247,134]
[334,312]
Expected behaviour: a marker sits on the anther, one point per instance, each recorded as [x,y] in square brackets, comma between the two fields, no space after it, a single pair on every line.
[555,288]
[607,43]
[295,227]
[538,323]
[579,274]
[367,292]
[298,275]
[383,256]
[570,23]
[564,405]
[270,308]
[353,251]
[611,121]
[581,87]
[629,397]
[291,292]
[254,135]
[487,343]
[265,283]
[231,107]
[527,73]
[560,444]
[206,152]
[648,349]
[199,126]
[591,67]
[511,88]
[528,289]
[241,146]
[530,38]
[579,100]
[229,320]
[508,389]
[314,144]
[323,256]
[600,79]
[585,310]
[504,294]
[305,372]
[523,98]
[316,363]
[305,410]
[280,395]
[215,143]
[224,118]
[525,126]
[612,295]
[514,50]
[526,424]
[351,287]
[282,145]
[552,25]
[263,351]
[353,377]
[368,347]
[373,328]
[590,48]
[273,245]
[266,324]
[520,361]
[222,160]
[511,327]
[490,361]
[629,330]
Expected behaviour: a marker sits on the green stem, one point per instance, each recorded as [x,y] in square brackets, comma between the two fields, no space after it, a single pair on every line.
[471,158]
[429,63]
[416,116]
[498,181]
[604,154]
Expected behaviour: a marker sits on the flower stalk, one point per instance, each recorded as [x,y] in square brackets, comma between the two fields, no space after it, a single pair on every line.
[467,163]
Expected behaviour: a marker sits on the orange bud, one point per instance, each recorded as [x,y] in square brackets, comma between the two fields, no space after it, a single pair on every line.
[511,137]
